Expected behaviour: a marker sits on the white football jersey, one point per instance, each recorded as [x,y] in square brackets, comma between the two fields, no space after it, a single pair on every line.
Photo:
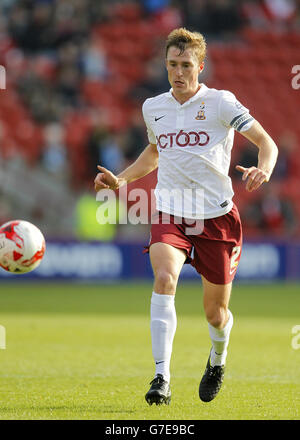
[194,142]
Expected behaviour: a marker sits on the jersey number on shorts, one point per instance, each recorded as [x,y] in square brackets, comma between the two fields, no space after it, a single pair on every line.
[234,259]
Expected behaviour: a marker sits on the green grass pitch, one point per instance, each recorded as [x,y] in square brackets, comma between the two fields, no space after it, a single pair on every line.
[77,351]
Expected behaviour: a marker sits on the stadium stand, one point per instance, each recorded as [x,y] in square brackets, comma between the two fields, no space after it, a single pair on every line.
[87,66]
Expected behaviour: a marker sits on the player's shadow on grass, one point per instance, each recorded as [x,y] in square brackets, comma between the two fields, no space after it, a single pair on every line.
[94,409]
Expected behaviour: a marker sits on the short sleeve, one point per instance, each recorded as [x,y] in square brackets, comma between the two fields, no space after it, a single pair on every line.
[151,135]
[234,114]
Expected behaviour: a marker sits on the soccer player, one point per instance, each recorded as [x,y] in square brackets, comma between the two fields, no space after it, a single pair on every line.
[191,131]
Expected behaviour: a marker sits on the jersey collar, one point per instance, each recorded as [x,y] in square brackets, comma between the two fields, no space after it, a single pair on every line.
[203,89]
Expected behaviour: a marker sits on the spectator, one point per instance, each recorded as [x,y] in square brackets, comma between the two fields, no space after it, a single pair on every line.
[153,6]
[271,215]
[247,158]
[155,82]
[6,5]
[90,225]
[68,86]
[104,149]
[68,74]
[54,159]
[195,15]
[288,164]
[40,98]
[219,19]
[93,61]
[271,15]
[135,137]
[281,13]
[5,210]
[224,18]
[32,28]
[254,14]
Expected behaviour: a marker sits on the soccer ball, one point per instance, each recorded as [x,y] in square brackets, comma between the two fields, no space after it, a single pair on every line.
[22,246]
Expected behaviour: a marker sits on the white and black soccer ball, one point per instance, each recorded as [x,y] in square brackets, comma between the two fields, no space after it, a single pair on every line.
[22,246]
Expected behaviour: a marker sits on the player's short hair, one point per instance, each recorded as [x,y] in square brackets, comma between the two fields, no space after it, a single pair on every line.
[182,38]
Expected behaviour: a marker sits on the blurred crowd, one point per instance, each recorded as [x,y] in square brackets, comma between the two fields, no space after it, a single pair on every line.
[77,73]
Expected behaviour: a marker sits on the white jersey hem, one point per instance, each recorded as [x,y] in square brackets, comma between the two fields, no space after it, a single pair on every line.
[190,215]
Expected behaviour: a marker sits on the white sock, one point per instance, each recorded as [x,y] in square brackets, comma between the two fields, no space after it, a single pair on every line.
[220,341]
[163,327]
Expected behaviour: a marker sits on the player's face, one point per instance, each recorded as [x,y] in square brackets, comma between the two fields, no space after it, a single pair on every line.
[183,71]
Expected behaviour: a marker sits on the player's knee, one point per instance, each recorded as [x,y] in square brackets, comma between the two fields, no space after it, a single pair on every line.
[165,281]
[217,317]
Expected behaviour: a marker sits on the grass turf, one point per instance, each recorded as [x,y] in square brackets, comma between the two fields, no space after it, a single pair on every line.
[84,352]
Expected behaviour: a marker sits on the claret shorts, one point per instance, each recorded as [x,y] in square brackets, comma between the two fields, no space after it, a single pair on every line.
[215,252]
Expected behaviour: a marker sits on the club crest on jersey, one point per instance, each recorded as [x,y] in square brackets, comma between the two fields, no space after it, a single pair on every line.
[201,115]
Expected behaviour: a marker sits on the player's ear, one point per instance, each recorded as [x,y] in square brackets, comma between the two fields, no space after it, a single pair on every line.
[201,67]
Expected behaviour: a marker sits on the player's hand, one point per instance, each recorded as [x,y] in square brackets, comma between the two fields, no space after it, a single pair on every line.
[105,180]
[254,177]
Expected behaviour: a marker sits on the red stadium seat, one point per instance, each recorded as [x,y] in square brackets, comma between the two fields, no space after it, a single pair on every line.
[77,127]
[225,71]
[245,72]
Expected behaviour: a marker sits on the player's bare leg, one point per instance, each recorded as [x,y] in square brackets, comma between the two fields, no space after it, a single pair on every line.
[216,300]
[167,263]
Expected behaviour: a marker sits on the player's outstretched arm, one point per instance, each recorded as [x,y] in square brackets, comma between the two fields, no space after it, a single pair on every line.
[145,163]
[267,157]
